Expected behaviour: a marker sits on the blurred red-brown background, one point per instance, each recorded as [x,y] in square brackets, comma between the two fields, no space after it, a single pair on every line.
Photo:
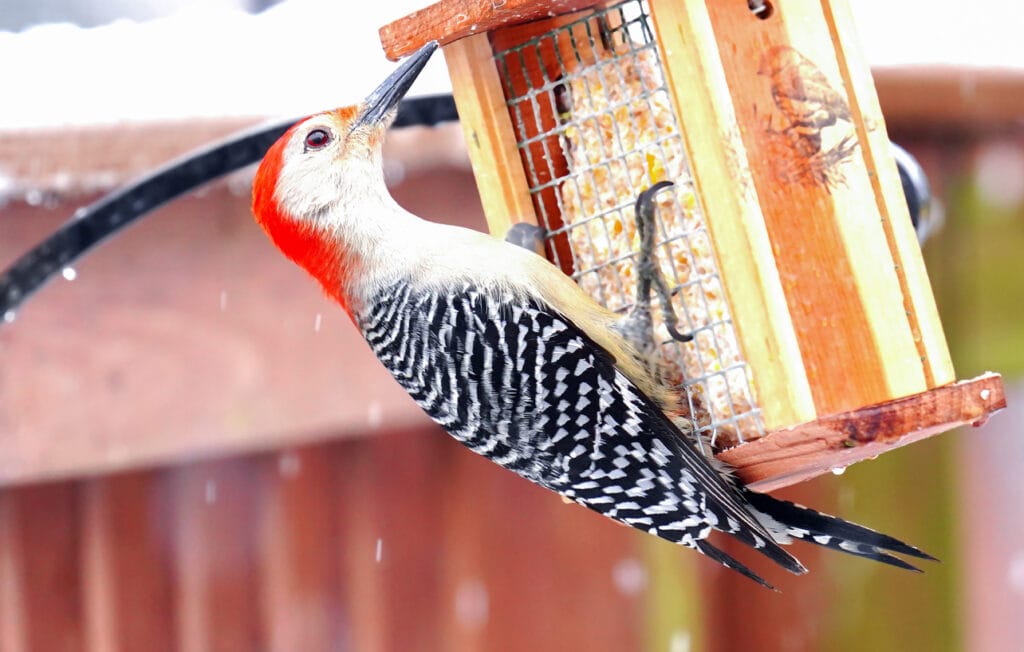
[198,452]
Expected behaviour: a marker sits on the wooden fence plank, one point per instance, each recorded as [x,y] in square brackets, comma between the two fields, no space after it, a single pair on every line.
[299,535]
[127,548]
[357,508]
[99,579]
[48,521]
[409,471]
[217,594]
[13,635]
[742,616]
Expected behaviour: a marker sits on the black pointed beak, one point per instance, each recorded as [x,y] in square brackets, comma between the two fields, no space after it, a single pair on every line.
[381,102]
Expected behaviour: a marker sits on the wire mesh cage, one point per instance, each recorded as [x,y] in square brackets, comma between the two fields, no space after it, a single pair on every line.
[595,126]
[785,238]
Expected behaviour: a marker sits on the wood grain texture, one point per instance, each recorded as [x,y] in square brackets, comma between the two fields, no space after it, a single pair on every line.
[791,455]
[718,158]
[838,273]
[794,623]
[450,20]
[127,562]
[505,534]
[298,532]
[50,567]
[490,139]
[279,551]
[13,636]
[918,300]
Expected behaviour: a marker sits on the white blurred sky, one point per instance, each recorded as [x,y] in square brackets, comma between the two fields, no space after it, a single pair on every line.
[211,59]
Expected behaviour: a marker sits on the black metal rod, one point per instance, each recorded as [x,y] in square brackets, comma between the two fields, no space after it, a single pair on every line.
[95,223]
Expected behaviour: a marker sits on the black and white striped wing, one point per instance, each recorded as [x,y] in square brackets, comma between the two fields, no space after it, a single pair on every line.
[517,382]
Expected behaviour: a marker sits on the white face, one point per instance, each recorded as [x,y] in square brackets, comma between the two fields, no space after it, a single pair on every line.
[328,170]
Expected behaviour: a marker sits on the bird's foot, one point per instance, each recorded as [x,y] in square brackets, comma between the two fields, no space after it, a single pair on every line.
[648,276]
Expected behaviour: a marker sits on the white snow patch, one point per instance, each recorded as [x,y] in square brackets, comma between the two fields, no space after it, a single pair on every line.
[304,56]
[34,197]
[289,464]
[472,604]
[296,58]
[7,184]
[1016,573]
[118,455]
[940,32]
[681,641]
[1000,174]
[630,577]
[374,414]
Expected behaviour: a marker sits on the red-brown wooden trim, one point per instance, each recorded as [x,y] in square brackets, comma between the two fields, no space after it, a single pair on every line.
[795,454]
[450,20]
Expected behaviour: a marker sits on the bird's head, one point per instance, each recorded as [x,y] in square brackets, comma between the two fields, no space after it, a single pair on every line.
[325,172]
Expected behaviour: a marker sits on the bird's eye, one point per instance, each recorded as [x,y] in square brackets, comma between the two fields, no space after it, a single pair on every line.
[317,139]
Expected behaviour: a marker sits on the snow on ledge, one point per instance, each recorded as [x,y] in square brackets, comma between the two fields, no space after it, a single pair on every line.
[296,58]
[304,56]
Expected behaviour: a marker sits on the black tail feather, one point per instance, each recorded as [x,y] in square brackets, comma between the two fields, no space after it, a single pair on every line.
[729,562]
[766,546]
[835,533]
[870,552]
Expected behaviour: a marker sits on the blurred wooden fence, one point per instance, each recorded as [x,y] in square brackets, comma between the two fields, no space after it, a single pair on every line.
[396,542]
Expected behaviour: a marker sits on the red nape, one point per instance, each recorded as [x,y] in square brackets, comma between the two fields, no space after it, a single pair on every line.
[325,260]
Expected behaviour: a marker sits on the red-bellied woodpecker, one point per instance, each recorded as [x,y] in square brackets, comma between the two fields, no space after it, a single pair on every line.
[506,352]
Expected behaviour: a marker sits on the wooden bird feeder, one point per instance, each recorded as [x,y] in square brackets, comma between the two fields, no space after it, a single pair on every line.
[786,234]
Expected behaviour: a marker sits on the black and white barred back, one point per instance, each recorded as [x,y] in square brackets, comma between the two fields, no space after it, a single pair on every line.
[517,382]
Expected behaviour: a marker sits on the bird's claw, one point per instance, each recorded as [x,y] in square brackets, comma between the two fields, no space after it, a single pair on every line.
[647,269]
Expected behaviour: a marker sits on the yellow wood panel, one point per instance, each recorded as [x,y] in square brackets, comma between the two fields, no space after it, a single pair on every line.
[490,139]
[860,214]
[902,240]
[718,159]
[816,194]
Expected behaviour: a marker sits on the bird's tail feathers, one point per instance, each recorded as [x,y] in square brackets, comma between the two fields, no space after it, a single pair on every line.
[760,540]
[728,561]
[830,532]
